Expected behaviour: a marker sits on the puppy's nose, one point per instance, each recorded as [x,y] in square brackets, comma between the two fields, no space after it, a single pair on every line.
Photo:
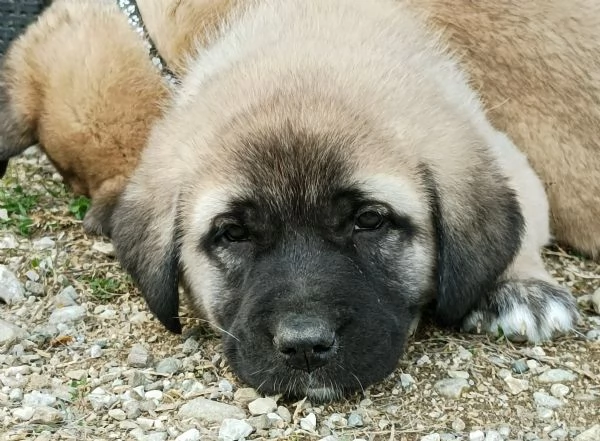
[306,343]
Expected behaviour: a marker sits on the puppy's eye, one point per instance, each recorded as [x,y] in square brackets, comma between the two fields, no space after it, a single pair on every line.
[368,220]
[235,233]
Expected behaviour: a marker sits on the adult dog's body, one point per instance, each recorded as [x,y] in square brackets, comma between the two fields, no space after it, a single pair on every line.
[326,169]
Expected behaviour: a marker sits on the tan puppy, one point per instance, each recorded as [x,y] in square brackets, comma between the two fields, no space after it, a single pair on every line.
[537,67]
[81,84]
[327,172]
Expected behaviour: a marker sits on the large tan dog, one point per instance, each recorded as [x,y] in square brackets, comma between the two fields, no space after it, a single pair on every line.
[80,83]
[328,171]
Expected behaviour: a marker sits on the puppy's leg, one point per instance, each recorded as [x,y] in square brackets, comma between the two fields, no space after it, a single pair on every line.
[527,303]
[97,220]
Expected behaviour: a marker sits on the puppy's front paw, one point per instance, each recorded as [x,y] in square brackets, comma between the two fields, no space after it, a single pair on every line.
[525,310]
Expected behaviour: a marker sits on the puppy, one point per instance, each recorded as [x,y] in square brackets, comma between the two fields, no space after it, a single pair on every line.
[326,172]
[80,83]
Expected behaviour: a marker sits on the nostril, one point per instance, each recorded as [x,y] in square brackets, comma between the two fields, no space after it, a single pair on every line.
[322,349]
[288,351]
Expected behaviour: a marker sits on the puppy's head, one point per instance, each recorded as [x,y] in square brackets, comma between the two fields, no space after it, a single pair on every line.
[313,239]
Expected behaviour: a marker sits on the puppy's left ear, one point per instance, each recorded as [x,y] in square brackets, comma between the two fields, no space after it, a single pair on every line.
[479,225]
[144,233]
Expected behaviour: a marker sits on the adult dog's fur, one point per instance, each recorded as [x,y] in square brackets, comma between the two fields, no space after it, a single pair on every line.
[326,170]
[80,83]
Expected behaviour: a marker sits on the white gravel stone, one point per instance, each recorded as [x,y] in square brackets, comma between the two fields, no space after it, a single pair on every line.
[559,390]
[431,437]
[557,376]
[210,411]
[139,356]
[545,400]
[515,385]
[284,413]
[154,395]
[355,420]
[477,435]
[10,334]
[23,413]
[37,289]
[407,381]
[458,425]
[45,243]
[458,374]
[36,399]
[559,434]
[67,314]
[190,346]
[234,429]
[309,423]
[591,434]
[8,242]
[11,289]
[16,395]
[543,413]
[451,387]
[596,302]
[117,414]
[492,435]
[95,351]
[245,395]
[106,248]
[67,297]
[3,214]
[189,435]
[168,365]
[46,415]
[100,399]
[262,406]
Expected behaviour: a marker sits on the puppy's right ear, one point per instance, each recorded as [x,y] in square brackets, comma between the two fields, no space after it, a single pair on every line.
[16,133]
[144,234]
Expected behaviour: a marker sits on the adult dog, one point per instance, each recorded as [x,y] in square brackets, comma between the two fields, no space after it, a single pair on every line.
[326,170]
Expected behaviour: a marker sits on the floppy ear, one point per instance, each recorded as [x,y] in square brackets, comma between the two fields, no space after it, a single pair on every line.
[16,134]
[144,235]
[479,225]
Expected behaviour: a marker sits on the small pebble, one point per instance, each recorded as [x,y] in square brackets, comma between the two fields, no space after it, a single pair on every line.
[451,387]
[190,346]
[168,366]
[67,297]
[23,413]
[210,411]
[117,414]
[67,314]
[95,351]
[355,420]
[309,423]
[559,390]
[10,334]
[284,413]
[559,434]
[44,243]
[519,366]
[407,381]
[189,435]
[106,248]
[154,395]
[477,435]
[225,386]
[139,356]
[596,301]
[458,425]
[591,434]
[492,435]
[431,437]
[459,374]
[545,400]
[46,415]
[37,399]
[516,385]
[11,289]
[35,288]
[234,429]
[557,376]
[245,395]
[262,406]
[544,413]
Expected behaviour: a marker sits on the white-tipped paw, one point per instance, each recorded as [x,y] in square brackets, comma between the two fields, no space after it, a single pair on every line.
[525,310]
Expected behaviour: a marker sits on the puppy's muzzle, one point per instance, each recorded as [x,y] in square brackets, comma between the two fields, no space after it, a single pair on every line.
[305,342]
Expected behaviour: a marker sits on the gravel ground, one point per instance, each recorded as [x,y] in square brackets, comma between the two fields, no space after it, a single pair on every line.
[81,357]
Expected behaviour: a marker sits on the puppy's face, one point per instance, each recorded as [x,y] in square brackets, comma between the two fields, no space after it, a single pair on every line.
[313,239]
[314,271]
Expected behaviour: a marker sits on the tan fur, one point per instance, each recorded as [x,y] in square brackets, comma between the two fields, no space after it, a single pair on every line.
[537,66]
[80,82]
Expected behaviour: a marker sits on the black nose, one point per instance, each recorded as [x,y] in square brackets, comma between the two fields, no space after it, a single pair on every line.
[305,342]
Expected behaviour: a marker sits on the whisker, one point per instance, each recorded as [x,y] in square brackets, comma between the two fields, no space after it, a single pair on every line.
[216,326]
